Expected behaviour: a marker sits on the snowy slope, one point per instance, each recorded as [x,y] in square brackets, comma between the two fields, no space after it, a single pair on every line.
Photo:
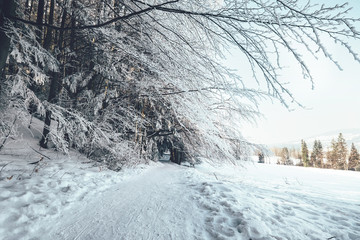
[37,185]
[282,202]
[166,201]
[69,197]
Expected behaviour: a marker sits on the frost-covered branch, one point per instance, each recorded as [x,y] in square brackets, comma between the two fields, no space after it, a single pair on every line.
[147,76]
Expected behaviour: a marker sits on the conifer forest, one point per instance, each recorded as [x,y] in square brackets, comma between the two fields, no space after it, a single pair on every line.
[335,156]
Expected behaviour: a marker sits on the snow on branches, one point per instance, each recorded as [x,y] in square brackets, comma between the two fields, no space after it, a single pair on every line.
[141,75]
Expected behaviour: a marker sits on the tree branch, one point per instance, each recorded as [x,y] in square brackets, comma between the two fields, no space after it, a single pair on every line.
[128,16]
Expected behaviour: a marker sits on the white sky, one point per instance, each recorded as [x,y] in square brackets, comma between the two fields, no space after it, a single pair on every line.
[334,104]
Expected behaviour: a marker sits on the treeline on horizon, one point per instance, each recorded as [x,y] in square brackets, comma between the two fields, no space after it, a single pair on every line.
[337,155]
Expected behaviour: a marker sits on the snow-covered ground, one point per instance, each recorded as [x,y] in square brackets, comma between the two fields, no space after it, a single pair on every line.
[68,197]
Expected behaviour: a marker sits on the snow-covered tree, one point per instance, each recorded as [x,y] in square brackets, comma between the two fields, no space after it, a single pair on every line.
[337,155]
[285,156]
[110,75]
[342,152]
[354,158]
[304,154]
[331,155]
[316,158]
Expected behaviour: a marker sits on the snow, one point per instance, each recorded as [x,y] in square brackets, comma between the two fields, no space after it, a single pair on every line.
[31,195]
[69,197]
[290,202]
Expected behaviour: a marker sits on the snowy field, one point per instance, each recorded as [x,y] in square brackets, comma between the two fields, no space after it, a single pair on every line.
[68,197]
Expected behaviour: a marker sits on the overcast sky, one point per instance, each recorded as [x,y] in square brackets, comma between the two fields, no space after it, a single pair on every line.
[334,104]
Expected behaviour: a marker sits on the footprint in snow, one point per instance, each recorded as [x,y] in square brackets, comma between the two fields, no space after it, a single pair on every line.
[223,217]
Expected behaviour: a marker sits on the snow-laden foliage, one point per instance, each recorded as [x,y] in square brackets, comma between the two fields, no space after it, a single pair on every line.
[142,77]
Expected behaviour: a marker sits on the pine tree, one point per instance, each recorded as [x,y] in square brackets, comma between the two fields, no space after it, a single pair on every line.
[319,155]
[304,153]
[313,154]
[337,155]
[316,158]
[354,158]
[342,152]
[332,155]
[312,159]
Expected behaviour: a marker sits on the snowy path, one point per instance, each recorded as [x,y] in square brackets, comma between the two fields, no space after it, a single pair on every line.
[70,197]
[164,201]
[260,203]
[153,206]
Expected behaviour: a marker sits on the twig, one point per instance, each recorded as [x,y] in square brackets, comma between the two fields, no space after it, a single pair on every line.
[40,153]
[331,237]
[34,169]
[123,18]
[37,166]
[37,161]
[216,176]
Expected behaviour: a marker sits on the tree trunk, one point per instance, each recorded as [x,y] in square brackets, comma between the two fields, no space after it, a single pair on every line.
[39,19]
[47,122]
[60,42]
[7,8]
[48,38]
[73,24]
[53,81]
[27,8]
[177,156]
[31,8]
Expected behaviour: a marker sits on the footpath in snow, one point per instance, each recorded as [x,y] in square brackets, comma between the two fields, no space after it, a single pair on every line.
[68,197]
[165,201]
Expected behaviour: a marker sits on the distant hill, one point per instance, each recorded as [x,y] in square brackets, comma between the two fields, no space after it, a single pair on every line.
[350,135]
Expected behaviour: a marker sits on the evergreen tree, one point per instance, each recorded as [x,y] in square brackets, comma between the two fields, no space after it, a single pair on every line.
[316,158]
[319,155]
[332,155]
[304,153]
[313,154]
[342,152]
[337,155]
[354,158]
[285,156]
[312,159]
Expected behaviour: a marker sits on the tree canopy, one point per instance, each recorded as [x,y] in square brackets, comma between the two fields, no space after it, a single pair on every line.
[120,80]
